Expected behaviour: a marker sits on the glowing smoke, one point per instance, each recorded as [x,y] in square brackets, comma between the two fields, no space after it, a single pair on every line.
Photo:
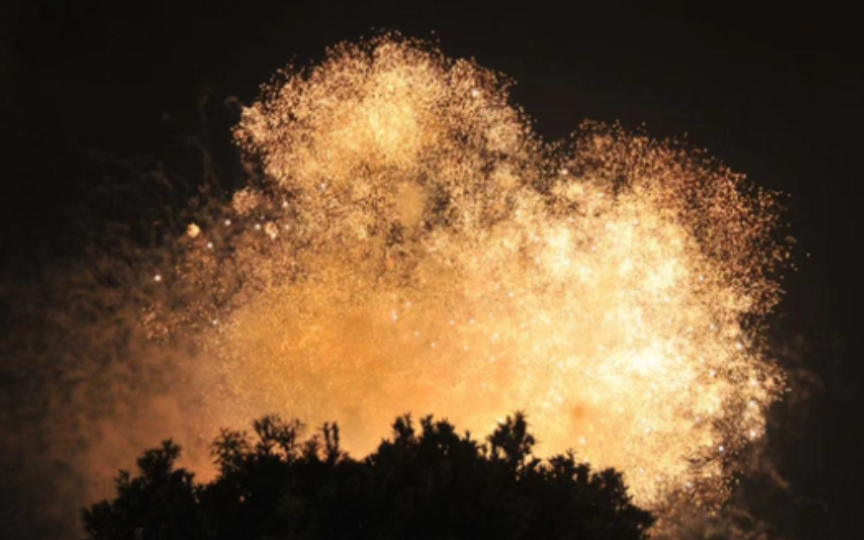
[419,249]
[416,247]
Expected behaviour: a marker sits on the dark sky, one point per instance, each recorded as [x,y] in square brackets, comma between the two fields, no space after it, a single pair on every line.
[775,94]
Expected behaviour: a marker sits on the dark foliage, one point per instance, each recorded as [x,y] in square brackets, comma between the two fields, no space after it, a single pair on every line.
[428,483]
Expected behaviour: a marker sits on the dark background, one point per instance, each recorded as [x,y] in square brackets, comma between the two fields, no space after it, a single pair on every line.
[775,94]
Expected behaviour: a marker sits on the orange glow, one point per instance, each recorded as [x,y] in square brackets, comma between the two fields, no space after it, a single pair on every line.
[419,249]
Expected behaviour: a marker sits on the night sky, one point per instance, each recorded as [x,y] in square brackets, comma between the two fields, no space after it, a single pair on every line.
[777,96]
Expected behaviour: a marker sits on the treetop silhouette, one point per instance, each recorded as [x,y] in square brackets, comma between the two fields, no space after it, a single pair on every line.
[425,482]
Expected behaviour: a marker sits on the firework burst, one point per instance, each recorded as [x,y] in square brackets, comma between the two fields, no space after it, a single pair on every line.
[417,248]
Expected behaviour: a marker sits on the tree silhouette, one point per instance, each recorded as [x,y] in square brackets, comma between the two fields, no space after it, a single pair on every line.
[426,483]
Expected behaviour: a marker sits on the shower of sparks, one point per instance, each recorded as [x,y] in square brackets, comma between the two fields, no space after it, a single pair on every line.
[418,248]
